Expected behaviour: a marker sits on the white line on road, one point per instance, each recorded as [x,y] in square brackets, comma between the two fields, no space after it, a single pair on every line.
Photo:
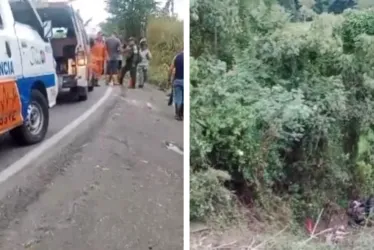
[49,143]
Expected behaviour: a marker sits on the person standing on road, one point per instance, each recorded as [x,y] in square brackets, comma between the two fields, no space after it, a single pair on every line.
[178,85]
[113,46]
[145,57]
[131,53]
[97,58]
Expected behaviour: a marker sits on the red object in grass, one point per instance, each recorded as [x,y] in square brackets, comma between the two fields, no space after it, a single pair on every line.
[309,225]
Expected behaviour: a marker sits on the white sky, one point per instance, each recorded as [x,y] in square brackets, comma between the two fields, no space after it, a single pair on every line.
[97,11]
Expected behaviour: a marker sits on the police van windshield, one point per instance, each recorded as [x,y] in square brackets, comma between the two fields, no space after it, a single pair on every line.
[24,13]
[62,21]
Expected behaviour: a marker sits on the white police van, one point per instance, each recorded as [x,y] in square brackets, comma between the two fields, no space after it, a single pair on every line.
[28,80]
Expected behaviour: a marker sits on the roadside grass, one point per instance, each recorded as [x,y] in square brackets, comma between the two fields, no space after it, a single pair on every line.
[165,39]
[255,229]
[270,239]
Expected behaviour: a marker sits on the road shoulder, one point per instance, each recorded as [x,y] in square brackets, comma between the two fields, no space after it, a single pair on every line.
[119,188]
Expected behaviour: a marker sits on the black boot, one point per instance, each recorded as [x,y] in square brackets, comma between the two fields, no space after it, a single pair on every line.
[96,83]
[181,112]
[177,113]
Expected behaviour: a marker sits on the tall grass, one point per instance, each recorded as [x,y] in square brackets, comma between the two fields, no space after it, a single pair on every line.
[165,39]
[241,240]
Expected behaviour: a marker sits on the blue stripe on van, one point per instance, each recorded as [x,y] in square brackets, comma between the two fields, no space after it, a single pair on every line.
[25,84]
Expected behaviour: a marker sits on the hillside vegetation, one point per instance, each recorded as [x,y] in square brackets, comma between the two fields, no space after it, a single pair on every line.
[282,108]
[165,39]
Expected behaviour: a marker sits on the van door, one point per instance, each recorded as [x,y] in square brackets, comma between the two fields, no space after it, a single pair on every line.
[81,52]
[10,70]
[9,49]
[86,43]
[36,52]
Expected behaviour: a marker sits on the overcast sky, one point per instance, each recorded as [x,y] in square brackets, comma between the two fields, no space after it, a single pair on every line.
[98,13]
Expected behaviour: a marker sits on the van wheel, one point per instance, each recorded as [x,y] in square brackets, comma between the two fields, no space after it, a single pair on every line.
[35,126]
[82,98]
[83,94]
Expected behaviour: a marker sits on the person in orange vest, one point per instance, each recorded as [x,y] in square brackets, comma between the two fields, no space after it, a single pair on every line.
[97,58]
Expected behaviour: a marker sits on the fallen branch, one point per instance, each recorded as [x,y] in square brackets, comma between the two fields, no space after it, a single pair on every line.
[266,241]
[317,222]
[315,235]
[225,245]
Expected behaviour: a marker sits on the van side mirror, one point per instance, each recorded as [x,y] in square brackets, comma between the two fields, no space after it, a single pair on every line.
[47,29]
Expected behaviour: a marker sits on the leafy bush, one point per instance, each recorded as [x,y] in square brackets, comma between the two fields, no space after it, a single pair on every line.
[288,114]
[165,39]
[206,190]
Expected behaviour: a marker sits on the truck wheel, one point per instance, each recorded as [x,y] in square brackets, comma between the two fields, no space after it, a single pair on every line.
[36,124]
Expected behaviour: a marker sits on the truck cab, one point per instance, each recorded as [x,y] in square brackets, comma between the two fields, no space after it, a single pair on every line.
[70,45]
[28,80]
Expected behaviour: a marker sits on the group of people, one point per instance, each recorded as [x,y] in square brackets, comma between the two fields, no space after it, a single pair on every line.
[115,59]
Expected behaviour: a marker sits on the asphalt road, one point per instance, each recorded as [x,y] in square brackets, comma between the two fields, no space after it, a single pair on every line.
[65,112]
[113,183]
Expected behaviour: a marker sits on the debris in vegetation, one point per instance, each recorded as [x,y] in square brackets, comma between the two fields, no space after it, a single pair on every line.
[331,235]
[309,225]
[336,236]
[360,211]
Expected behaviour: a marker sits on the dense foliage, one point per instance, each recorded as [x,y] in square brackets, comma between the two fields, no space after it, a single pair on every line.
[131,17]
[165,39]
[284,107]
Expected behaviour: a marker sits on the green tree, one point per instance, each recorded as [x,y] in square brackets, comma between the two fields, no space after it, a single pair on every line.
[109,26]
[131,16]
[214,27]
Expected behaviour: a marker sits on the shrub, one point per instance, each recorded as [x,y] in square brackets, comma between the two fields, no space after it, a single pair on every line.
[289,116]
[209,197]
